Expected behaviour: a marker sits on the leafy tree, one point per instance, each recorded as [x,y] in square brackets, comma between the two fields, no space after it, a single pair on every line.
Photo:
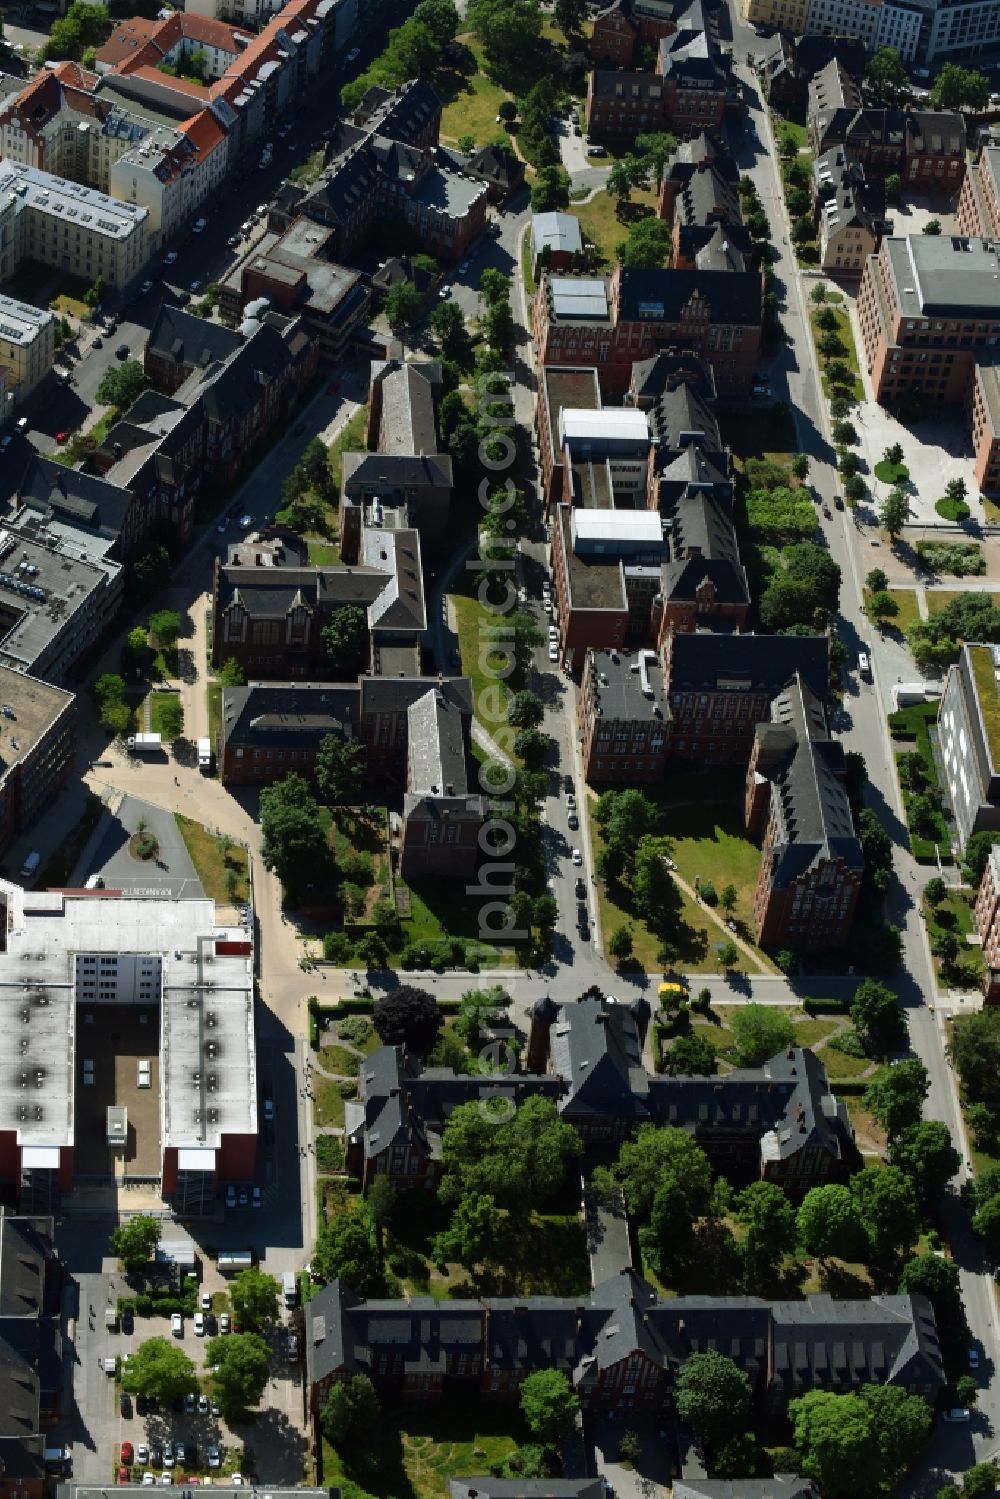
[624,818]
[836,1441]
[448,325]
[549,1404]
[956,87]
[134,1240]
[647,245]
[625,176]
[239,1368]
[159,1367]
[979,1481]
[440,18]
[315,467]
[340,769]
[519,1160]
[655,151]
[975,1052]
[663,1157]
[828,1223]
[882,607]
[525,710]
[408,1017]
[935,891]
[760,1032]
[803,232]
[531,746]
[293,841]
[507,111]
[769,1229]
[402,306]
[508,30]
[877,1018]
[893,454]
[691,1055]
[654,893]
[712,1396]
[887,1207]
[550,189]
[933,226]
[372,950]
[937,1278]
[902,1424]
[164,627]
[255,1297]
[122,384]
[977,848]
[345,640]
[926,1154]
[895,1095]
[729,954]
[523,636]
[475,1234]
[886,75]
[894,512]
[800,466]
[171,718]
[621,943]
[345,1250]
[349,1413]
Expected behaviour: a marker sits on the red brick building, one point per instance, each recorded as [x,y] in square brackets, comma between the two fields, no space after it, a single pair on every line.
[626,25]
[607,569]
[978,210]
[987,914]
[610,323]
[811,864]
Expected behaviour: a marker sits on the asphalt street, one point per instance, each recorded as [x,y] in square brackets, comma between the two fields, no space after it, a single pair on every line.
[862,727]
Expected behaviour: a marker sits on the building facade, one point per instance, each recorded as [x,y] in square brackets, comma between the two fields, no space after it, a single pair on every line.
[969,740]
[27,347]
[62,224]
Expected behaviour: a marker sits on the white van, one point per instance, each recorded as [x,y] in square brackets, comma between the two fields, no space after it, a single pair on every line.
[864,667]
[144,1079]
[30,866]
[204,754]
[289,1289]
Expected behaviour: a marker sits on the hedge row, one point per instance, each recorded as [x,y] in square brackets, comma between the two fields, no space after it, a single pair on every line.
[158,1306]
[827,1006]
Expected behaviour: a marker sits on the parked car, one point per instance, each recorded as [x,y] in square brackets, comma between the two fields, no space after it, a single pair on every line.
[973,1358]
[203,1404]
[581,890]
[196,287]
[353,55]
[128,1455]
[957,1415]
[199,1324]
[214,1457]
[170,258]
[147,286]
[244,1197]
[230,1190]
[169,1455]
[205,1301]
[156,1455]
[177,1324]
[256,1200]
[189,1402]
[122,351]
[125,1404]
[224,1322]
[576,856]
[148,1480]
[572,822]
[268,1108]
[553,651]
[199,225]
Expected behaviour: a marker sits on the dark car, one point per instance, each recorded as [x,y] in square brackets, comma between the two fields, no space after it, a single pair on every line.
[567,783]
[128,1323]
[122,351]
[581,915]
[581,890]
[125,1404]
[838,500]
[98,343]
[156,1455]
[190,1454]
[141,1401]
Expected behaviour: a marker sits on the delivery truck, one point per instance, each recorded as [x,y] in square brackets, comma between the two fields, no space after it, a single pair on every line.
[144,744]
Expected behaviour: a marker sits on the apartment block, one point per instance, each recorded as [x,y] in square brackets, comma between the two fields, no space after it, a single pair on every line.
[27,347]
[984,422]
[849,210]
[876,23]
[32,1284]
[607,569]
[928,311]
[787,65]
[699,198]
[987,914]
[796,798]
[560,388]
[623,718]
[978,211]
[38,738]
[969,740]
[959,29]
[925,147]
[63,224]
[785,15]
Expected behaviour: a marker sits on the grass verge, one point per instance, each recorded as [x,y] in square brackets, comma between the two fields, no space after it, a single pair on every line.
[214,863]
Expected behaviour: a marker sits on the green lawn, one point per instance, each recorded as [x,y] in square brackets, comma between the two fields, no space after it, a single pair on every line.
[940,598]
[470,100]
[840,1067]
[339,1060]
[489,691]
[707,843]
[158,703]
[350,440]
[913,724]
[213,864]
[909,609]
[600,223]
[323,553]
[308,171]
[798,133]
[420,1448]
[440,908]
[955,914]
[328,1106]
[850,354]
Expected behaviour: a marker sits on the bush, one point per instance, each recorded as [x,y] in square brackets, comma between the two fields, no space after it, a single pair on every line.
[963,558]
[707,892]
[850,1043]
[329,1153]
[356,1030]
[347,1087]
[337,947]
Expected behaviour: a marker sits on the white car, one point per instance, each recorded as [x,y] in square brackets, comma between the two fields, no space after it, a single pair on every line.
[246,521]
[199,1324]
[199,225]
[261,210]
[142,1453]
[202,1404]
[224,1322]
[22,424]
[576,856]
[148,1480]
[205,1301]
[177,1324]
[214,1457]
[553,651]
[237,1480]
[165,1480]
[553,632]
[170,258]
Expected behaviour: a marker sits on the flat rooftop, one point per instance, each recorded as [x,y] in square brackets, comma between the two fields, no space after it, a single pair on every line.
[619,679]
[596,581]
[946,275]
[41,587]
[610,424]
[985,663]
[592,486]
[28,709]
[205,995]
[70,203]
[579,299]
[20,323]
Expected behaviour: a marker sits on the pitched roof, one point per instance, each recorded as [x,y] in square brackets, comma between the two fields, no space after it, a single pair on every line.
[485,1486]
[80,499]
[596,1050]
[662,296]
[781,1486]
[276,713]
[702,661]
[188,340]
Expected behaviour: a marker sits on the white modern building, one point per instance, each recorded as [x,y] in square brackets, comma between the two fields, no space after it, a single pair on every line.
[93,982]
[69,226]
[27,346]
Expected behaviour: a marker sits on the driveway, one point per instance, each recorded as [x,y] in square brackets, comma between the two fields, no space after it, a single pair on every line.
[170,873]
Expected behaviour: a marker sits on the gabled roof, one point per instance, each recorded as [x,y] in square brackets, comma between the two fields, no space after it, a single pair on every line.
[781,1486]
[299,716]
[79,499]
[595,1049]
[188,340]
[702,661]
[662,296]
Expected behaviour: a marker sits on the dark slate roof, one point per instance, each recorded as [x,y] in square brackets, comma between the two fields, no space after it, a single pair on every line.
[178,335]
[681,417]
[400,268]
[806,770]
[488,1487]
[497,164]
[702,539]
[395,471]
[265,592]
[290,716]
[886,1340]
[702,661]
[667,369]
[78,499]
[660,296]
[935,133]
[596,1049]
[23,1256]
[398,694]
[409,113]
[230,390]
[781,1486]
